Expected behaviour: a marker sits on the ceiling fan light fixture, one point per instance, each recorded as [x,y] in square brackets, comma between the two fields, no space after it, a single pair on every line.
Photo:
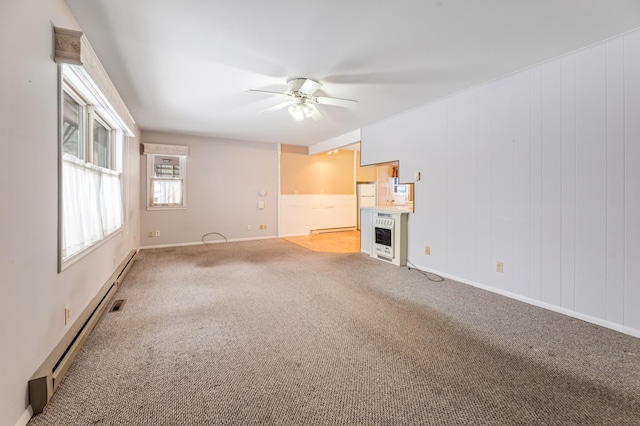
[296,112]
[307,110]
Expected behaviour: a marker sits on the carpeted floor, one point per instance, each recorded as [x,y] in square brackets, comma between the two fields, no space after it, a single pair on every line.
[266,332]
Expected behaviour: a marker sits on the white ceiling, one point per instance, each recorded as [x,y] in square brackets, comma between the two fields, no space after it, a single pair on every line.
[185,66]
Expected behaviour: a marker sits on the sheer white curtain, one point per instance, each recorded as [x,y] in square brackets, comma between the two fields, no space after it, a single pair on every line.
[110,201]
[91,204]
[167,192]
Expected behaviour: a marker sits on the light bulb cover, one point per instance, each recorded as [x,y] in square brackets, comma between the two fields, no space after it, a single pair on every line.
[296,111]
[307,110]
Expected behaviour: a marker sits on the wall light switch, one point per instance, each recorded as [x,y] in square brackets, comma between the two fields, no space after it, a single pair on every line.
[261,205]
[67,315]
[416,176]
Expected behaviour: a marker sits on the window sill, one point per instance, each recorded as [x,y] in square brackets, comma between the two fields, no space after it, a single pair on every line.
[167,208]
[65,263]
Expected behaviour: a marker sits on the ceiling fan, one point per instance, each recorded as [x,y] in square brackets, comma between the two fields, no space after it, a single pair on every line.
[301,101]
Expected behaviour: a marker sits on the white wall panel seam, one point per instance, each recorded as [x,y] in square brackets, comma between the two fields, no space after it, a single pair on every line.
[575,179]
[474,248]
[606,184]
[447,183]
[624,181]
[513,179]
[562,167]
[530,174]
[491,200]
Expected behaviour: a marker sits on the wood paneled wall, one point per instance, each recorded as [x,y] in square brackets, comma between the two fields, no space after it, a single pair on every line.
[539,170]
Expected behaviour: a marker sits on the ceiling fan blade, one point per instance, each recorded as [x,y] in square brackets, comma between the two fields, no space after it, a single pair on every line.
[267,92]
[316,114]
[309,87]
[344,103]
[279,106]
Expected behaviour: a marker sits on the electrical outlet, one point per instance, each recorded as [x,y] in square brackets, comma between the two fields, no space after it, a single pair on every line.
[150,234]
[248,227]
[263,227]
[427,250]
[157,232]
[67,314]
[499,266]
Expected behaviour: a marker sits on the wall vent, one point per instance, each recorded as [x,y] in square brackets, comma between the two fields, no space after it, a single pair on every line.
[117,305]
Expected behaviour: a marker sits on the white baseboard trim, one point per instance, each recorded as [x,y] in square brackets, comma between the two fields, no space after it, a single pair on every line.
[588,318]
[25,417]
[200,243]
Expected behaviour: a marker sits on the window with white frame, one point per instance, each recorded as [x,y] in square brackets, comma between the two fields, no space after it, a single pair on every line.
[166,176]
[91,204]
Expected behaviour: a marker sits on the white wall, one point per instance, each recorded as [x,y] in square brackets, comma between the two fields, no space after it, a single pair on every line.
[224,180]
[32,294]
[302,213]
[539,169]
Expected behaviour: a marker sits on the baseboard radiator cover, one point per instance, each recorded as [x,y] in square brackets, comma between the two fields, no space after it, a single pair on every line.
[46,379]
[332,230]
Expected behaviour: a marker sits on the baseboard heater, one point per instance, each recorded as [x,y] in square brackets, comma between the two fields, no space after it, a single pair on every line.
[46,379]
[332,230]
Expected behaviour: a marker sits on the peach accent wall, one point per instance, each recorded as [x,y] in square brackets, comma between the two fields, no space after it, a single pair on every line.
[366,173]
[316,174]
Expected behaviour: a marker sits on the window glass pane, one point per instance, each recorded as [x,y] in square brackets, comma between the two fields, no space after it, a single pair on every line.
[101,145]
[166,166]
[72,127]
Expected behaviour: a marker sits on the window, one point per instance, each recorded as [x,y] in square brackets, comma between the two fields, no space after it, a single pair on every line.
[167,181]
[166,175]
[91,206]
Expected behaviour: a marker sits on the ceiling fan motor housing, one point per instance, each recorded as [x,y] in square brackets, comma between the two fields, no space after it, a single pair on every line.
[303,86]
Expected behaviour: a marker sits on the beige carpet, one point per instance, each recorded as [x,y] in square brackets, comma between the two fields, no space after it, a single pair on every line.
[267,332]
